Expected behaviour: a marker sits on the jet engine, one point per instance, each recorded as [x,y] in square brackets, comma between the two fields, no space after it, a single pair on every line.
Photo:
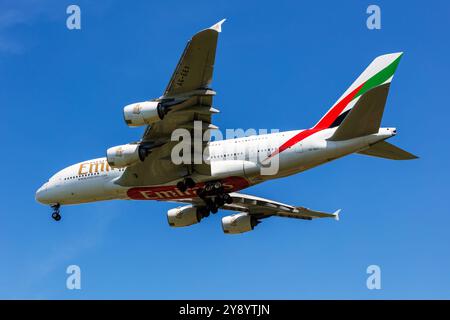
[239,223]
[125,155]
[186,216]
[143,113]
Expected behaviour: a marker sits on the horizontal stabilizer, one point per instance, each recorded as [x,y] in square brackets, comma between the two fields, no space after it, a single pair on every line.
[386,150]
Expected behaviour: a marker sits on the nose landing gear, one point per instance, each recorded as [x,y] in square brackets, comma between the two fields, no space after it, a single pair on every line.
[55,215]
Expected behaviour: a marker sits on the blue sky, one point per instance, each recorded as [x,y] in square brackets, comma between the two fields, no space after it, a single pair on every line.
[279,65]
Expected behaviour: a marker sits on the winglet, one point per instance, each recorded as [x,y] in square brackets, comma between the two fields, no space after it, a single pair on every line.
[218,26]
[336,215]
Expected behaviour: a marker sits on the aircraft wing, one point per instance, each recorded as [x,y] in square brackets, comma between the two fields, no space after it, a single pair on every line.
[264,208]
[195,69]
[188,98]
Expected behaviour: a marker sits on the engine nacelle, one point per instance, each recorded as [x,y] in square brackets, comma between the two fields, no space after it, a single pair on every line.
[124,155]
[183,216]
[143,113]
[238,223]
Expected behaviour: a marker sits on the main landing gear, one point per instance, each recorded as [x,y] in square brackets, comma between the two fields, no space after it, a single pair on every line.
[185,184]
[55,215]
[214,196]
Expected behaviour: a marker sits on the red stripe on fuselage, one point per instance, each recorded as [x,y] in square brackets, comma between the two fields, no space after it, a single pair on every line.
[324,123]
[295,139]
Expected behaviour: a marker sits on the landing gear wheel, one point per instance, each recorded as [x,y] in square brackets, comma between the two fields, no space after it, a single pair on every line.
[227,198]
[201,193]
[56,216]
[181,186]
[214,187]
[202,212]
[214,209]
[220,201]
[189,182]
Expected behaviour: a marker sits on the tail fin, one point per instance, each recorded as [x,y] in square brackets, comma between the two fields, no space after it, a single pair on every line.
[386,150]
[359,110]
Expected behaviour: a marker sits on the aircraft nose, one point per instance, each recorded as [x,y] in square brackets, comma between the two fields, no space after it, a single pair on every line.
[42,194]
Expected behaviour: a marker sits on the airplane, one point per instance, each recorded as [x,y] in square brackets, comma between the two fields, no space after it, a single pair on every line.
[145,170]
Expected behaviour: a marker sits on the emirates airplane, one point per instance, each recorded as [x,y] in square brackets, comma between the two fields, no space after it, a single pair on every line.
[146,170]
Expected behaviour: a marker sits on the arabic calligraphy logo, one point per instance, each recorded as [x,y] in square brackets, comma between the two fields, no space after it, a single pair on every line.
[137,109]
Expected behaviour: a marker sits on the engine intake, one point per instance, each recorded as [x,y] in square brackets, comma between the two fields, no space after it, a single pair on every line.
[143,113]
[239,223]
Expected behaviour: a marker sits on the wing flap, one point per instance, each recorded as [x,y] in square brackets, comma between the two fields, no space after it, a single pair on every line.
[264,208]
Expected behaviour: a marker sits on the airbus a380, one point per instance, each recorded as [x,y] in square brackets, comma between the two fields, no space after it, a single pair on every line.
[145,170]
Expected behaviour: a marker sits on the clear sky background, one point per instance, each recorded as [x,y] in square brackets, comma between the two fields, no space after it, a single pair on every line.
[280,64]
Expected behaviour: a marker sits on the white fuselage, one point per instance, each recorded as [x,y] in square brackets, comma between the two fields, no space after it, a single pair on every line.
[236,162]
